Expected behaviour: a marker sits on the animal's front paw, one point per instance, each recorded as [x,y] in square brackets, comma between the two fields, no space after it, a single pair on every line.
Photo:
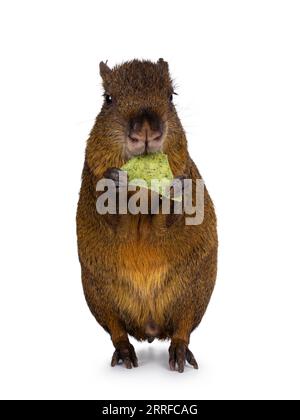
[126,353]
[178,354]
[177,186]
[117,175]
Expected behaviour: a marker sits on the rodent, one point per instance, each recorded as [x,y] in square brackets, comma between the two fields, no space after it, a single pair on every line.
[147,276]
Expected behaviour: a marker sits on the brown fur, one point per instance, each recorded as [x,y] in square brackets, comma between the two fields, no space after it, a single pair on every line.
[142,272]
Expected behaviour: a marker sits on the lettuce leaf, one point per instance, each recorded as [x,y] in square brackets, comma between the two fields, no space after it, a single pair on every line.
[153,166]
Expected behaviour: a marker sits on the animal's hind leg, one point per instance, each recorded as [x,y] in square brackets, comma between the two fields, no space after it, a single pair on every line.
[179,351]
[102,310]
[189,314]
[124,349]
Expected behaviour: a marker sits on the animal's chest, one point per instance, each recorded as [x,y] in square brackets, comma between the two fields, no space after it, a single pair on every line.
[142,273]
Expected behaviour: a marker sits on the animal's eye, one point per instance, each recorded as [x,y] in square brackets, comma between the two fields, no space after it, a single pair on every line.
[108,99]
[171,97]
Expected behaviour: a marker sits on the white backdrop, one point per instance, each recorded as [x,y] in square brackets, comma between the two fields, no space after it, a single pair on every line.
[236,65]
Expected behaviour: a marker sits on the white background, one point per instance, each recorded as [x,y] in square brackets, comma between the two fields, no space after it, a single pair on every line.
[237,69]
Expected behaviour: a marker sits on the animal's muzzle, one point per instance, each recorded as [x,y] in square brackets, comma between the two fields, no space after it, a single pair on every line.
[145,133]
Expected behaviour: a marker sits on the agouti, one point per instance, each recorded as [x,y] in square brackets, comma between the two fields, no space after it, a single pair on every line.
[145,275]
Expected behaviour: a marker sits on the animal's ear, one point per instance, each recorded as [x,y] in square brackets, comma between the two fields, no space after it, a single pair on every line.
[163,64]
[104,69]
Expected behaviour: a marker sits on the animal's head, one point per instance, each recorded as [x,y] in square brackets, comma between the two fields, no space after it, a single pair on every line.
[138,115]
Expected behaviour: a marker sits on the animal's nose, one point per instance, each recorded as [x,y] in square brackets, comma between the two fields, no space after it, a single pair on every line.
[144,134]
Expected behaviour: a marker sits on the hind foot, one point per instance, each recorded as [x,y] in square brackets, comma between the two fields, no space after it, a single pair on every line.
[126,353]
[178,354]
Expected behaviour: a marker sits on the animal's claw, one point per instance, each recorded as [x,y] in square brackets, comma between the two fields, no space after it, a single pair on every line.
[126,353]
[177,186]
[117,175]
[178,354]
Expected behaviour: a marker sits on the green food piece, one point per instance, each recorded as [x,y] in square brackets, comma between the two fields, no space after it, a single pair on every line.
[148,167]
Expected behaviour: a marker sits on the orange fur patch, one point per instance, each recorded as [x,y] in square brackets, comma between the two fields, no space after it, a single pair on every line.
[143,268]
